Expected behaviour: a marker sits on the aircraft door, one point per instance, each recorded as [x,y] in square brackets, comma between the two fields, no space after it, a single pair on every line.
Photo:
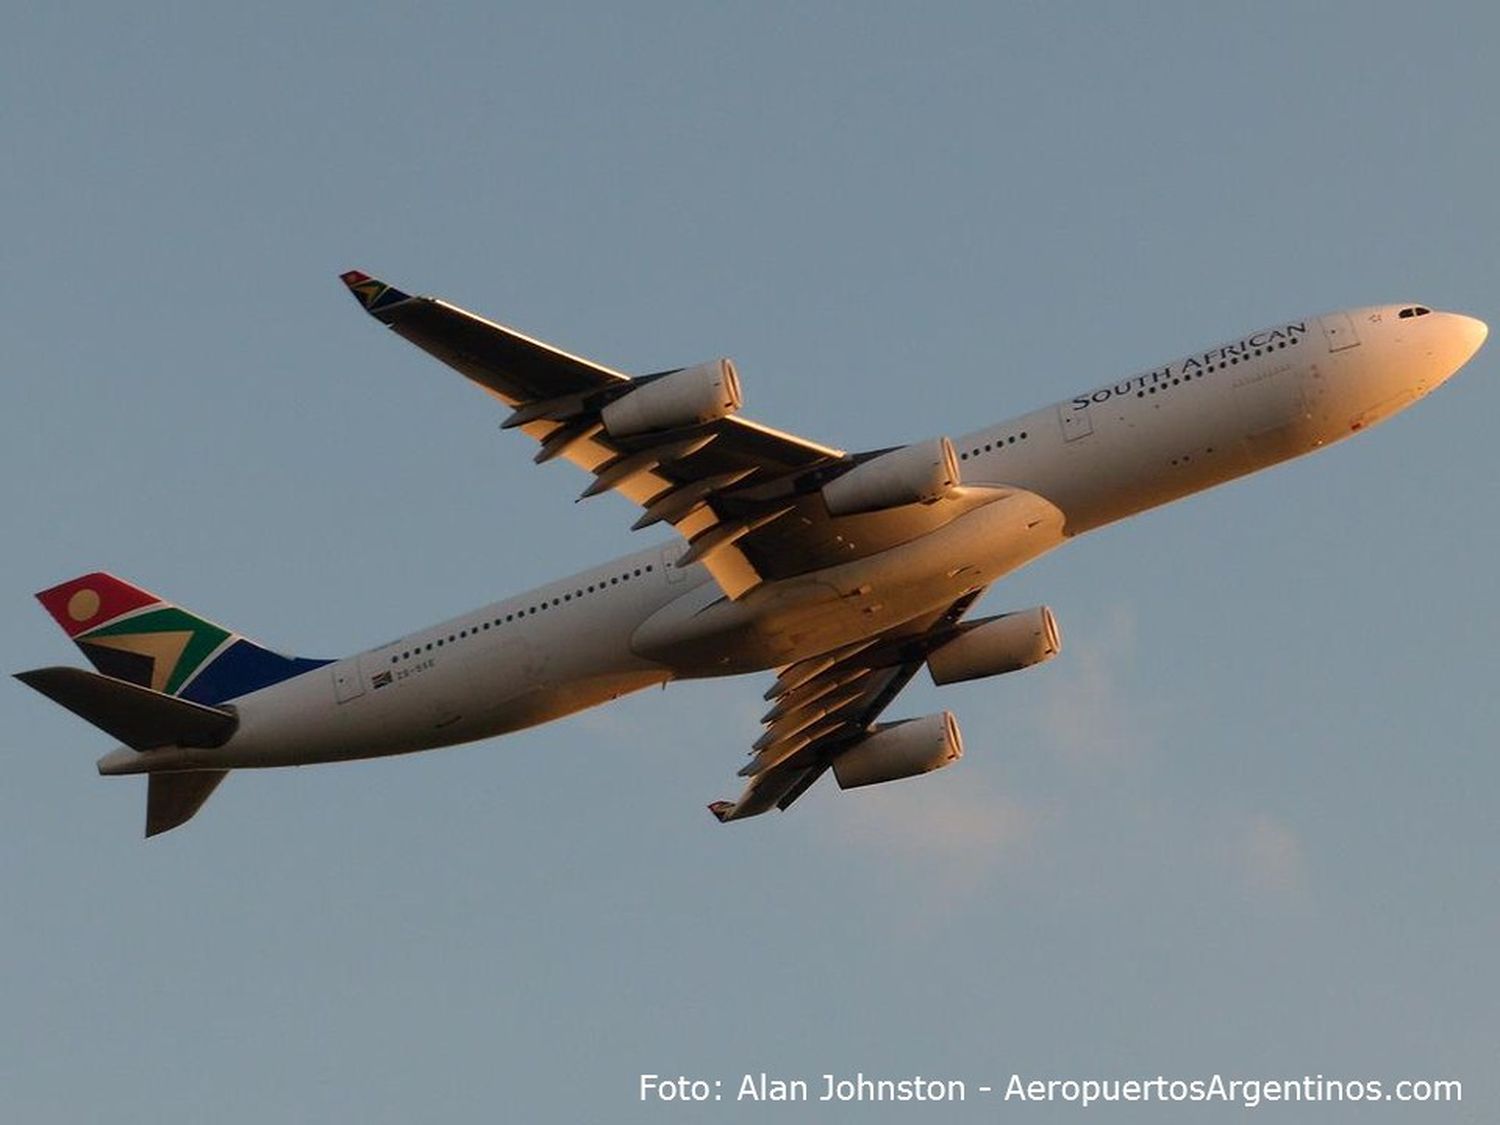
[347,682]
[1338,330]
[669,556]
[1075,420]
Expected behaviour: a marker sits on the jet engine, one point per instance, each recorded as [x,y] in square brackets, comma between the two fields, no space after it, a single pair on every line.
[995,645]
[689,397]
[897,750]
[914,474]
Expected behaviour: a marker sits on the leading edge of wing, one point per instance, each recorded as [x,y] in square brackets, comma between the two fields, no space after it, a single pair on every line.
[770,432]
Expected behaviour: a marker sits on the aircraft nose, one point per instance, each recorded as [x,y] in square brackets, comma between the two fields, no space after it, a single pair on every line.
[1472,331]
[1454,343]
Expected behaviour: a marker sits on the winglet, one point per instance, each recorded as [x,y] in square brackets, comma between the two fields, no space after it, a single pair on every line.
[721,809]
[372,293]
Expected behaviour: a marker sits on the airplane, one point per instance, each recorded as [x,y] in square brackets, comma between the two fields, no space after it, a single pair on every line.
[847,573]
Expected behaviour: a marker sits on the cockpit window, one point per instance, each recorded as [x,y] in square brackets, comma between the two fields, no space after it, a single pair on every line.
[1413,310]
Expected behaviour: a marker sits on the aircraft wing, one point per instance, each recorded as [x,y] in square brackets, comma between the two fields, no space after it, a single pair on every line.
[720,484]
[827,704]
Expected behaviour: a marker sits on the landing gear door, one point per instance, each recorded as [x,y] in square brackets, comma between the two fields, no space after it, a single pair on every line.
[1338,330]
[1075,420]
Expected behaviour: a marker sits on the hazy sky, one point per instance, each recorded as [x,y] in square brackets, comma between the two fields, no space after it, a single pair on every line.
[1244,824]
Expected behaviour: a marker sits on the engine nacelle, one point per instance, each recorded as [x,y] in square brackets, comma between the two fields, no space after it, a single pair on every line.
[689,397]
[897,750]
[913,474]
[995,645]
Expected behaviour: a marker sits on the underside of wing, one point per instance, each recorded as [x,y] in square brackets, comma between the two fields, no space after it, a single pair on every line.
[668,441]
[826,707]
[753,503]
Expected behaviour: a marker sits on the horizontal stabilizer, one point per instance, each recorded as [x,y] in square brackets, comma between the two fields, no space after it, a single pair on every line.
[139,717]
[173,798]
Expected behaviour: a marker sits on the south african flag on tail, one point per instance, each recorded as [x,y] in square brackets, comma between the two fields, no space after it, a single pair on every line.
[133,635]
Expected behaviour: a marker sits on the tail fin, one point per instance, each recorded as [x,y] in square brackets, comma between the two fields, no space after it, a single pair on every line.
[133,635]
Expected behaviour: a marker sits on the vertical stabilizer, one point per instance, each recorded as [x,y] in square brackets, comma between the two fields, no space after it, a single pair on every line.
[133,635]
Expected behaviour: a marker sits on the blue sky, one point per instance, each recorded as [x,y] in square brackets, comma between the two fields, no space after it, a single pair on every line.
[1244,824]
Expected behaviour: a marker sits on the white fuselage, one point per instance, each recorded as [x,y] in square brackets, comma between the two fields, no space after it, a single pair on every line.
[1034,482]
